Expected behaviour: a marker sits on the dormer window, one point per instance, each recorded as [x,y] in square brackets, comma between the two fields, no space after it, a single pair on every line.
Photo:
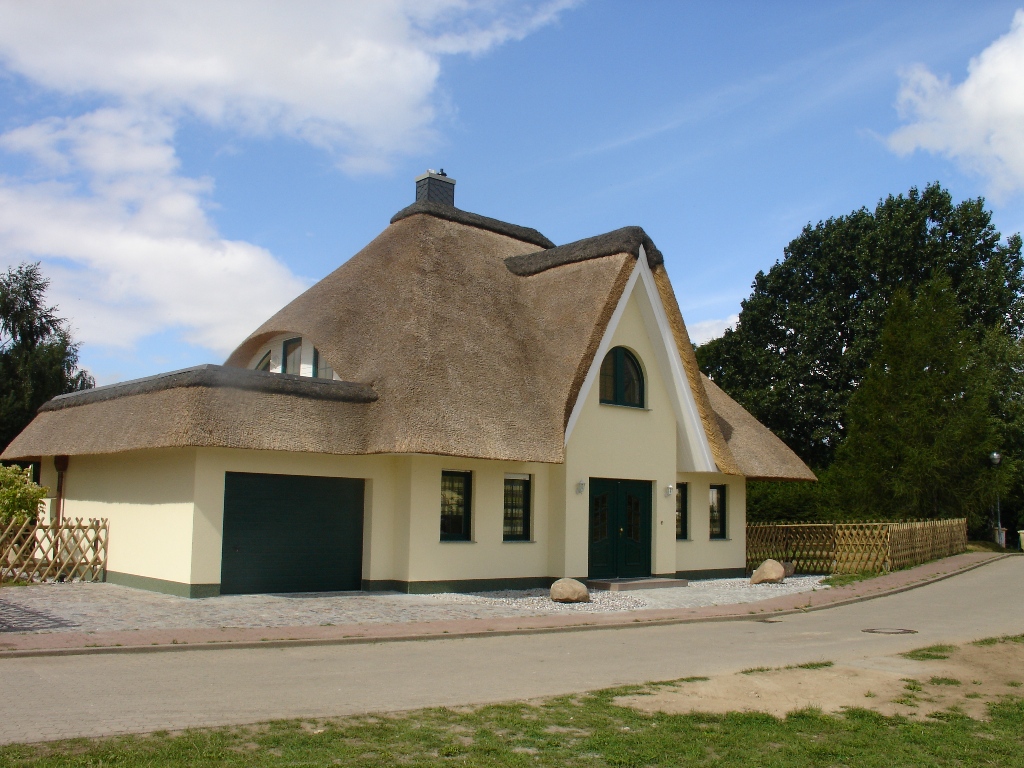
[622,380]
[293,355]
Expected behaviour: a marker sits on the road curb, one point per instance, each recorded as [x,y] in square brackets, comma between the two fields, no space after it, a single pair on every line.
[216,645]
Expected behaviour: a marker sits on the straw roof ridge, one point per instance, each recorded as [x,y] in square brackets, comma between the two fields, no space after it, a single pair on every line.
[220,377]
[758,452]
[457,215]
[624,240]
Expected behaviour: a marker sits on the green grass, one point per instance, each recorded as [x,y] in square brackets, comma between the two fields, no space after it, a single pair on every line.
[587,730]
[842,579]
[930,653]
[944,681]
[805,665]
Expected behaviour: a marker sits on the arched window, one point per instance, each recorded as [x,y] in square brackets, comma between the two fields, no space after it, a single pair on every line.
[622,382]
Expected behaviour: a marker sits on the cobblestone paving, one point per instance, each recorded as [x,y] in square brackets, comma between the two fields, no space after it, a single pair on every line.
[107,607]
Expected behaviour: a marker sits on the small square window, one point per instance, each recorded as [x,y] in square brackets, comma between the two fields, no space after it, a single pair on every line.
[718,529]
[682,511]
[517,508]
[456,503]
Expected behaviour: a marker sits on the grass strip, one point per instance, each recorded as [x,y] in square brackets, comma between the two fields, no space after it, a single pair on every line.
[581,730]
[930,653]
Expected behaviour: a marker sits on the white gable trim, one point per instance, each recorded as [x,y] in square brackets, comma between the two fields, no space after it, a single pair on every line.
[692,439]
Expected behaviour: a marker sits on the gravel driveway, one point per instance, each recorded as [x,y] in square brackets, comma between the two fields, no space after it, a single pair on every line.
[108,607]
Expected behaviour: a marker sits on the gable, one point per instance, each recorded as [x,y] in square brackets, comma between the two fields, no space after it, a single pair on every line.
[640,322]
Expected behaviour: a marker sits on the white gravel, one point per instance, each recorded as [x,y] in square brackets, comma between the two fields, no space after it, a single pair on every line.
[698,594]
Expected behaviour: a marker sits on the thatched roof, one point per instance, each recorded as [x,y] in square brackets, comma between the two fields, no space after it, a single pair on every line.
[758,452]
[456,335]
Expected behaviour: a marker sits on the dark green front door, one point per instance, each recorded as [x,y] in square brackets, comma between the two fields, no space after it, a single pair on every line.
[620,528]
[291,533]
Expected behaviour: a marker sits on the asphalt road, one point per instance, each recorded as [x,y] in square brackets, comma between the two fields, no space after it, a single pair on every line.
[49,698]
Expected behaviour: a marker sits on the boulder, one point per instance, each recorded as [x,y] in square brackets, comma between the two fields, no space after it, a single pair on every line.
[569,591]
[769,572]
[790,567]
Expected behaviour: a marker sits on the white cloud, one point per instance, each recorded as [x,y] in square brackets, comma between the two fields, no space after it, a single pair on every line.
[706,330]
[125,235]
[130,249]
[979,122]
[353,77]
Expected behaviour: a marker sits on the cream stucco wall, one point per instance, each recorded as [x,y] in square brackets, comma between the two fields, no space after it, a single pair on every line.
[699,552]
[147,498]
[486,556]
[627,444]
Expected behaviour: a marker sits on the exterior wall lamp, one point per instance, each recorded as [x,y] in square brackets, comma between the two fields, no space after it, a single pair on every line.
[581,486]
[668,490]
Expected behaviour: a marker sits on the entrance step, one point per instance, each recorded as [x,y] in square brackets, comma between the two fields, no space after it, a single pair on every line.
[622,585]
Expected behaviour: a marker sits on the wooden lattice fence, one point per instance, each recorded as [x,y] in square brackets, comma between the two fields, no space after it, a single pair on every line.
[75,550]
[855,547]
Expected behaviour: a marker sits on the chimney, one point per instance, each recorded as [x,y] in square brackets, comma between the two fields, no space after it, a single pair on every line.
[435,187]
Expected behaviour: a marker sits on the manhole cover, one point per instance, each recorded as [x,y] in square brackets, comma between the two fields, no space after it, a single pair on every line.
[887,631]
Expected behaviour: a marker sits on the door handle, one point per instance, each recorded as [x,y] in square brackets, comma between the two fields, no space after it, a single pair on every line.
[621,531]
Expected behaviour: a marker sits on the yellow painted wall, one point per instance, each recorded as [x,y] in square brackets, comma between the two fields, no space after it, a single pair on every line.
[486,556]
[627,444]
[700,552]
[147,497]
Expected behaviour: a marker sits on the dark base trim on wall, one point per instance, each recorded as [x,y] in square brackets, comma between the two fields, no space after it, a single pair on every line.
[163,586]
[458,585]
[713,573]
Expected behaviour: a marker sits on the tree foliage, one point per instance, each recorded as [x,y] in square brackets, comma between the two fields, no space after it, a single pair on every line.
[812,324]
[38,358]
[20,497]
[920,424]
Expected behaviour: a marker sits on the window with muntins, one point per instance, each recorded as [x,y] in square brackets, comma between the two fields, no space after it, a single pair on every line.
[264,363]
[622,381]
[718,512]
[456,503]
[291,357]
[682,512]
[517,508]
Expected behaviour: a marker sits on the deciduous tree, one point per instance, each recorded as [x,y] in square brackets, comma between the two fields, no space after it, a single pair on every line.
[38,358]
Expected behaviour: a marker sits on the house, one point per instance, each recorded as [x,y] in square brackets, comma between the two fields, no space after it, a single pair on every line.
[461,405]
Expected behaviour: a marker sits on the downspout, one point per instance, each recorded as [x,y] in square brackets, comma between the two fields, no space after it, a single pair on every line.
[60,463]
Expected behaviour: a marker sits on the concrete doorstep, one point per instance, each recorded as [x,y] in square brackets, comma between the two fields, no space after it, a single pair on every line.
[17,645]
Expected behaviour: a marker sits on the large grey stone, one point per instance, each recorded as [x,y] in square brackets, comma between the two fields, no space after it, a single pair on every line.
[570,591]
[790,567]
[769,572]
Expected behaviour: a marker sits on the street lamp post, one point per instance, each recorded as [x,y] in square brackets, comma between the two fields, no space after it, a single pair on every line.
[995,457]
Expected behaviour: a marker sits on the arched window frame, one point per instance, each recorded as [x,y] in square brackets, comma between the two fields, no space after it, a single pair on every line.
[620,358]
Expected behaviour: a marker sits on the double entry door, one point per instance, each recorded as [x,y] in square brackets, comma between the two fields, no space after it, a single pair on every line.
[620,528]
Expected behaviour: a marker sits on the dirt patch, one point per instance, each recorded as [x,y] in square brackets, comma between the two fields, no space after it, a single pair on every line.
[971,677]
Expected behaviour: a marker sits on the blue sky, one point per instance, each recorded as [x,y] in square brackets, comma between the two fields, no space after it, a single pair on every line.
[184,170]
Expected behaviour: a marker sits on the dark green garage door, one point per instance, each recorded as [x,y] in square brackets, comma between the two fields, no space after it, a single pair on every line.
[291,533]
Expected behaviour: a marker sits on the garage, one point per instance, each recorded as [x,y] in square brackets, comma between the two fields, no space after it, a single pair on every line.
[291,533]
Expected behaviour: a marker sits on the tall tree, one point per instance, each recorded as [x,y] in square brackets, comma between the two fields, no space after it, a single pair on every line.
[38,358]
[920,425]
[811,325]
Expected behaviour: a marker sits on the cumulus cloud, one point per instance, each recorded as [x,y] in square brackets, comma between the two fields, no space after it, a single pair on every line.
[130,249]
[706,330]
[125,235]
[979,122]
[353,77]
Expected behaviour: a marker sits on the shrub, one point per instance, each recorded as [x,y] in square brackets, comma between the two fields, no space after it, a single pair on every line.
[20,498]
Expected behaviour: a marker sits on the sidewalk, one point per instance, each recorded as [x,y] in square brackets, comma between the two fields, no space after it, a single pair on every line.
[150,640]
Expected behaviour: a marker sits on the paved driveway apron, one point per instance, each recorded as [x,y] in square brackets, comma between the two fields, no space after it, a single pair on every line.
[136,693]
